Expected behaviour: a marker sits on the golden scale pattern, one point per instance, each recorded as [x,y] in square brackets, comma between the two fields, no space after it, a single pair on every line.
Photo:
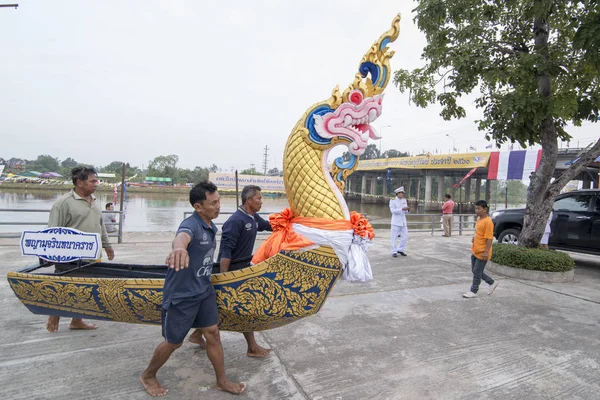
[278,291]
[293,285]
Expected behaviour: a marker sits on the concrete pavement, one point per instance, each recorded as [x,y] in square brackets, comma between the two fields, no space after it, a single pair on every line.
[408,334]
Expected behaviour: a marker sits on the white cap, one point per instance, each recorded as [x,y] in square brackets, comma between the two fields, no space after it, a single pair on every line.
[400,189]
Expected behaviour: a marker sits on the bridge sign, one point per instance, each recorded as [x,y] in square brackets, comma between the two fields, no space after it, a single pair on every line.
[61,244]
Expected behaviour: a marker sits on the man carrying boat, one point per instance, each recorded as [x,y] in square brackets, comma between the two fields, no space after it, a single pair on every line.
[237,243]
[79,210]
[189,298]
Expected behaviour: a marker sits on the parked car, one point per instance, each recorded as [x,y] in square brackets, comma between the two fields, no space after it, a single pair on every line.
[575,223]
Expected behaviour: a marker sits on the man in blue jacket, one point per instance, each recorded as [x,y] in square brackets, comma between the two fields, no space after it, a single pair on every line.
[189,298]
[237,244]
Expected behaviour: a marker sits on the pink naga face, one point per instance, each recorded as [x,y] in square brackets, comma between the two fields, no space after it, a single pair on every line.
[351,121]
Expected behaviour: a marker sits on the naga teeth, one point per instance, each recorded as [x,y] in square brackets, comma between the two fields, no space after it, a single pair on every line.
[347,120]
[372,115]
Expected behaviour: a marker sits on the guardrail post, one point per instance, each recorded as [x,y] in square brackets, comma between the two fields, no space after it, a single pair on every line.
[120,238]
[432,222]
[460,224]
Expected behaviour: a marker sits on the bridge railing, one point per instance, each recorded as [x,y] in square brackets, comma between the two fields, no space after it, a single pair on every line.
[42,224]
[433,223]
[416,222]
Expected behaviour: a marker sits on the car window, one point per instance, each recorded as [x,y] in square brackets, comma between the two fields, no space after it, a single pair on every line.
[574,203]
[597,204]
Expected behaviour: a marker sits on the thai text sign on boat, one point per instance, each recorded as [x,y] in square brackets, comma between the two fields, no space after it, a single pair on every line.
[60,244]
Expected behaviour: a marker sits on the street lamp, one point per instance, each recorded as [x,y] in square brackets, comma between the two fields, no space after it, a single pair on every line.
[453,142]
[381,136]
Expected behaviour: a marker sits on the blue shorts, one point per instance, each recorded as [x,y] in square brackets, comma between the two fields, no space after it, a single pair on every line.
[185,314]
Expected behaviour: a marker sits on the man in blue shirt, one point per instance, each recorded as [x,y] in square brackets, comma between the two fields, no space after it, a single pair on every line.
[189,298]
[237,244]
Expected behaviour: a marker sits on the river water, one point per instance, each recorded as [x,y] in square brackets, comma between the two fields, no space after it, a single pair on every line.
[144,212]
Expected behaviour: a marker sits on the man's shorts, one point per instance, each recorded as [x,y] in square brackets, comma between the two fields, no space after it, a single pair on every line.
[185,314]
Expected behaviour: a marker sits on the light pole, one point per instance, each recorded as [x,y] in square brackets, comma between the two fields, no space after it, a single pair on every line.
[453,142]
[381,136]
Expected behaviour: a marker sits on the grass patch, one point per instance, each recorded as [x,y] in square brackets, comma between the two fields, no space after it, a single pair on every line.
[532,259]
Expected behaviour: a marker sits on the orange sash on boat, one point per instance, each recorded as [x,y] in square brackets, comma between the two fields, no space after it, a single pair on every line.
[284,237]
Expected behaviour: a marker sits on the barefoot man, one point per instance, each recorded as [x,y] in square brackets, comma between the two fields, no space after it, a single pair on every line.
[79,209]
[237,242]
[189,298]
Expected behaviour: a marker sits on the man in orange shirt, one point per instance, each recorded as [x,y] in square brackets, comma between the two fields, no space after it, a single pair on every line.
[481,250]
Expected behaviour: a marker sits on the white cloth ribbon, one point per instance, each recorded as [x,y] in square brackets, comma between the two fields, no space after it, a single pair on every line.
[351,249]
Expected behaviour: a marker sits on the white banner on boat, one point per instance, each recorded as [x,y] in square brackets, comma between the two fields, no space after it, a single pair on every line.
[266,183]
[61,244]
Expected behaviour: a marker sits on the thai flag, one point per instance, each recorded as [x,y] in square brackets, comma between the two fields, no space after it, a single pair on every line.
[513,165]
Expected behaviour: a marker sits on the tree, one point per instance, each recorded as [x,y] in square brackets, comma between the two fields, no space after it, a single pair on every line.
[164,166]
[532,81]
[587,37]
[250,171]
[371,152]
[393,153]
[196,175]
[273,172]
[69,163]
[45,163]
[116,167]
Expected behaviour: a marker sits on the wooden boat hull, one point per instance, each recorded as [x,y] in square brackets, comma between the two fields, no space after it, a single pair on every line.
[280,290]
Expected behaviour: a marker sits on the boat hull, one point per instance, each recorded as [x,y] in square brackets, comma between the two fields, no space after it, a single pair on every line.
[280,290]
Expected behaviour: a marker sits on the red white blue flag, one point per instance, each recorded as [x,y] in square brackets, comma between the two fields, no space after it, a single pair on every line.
[513,165]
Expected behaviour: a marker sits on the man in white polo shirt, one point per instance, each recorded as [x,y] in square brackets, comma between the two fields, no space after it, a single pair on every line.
[80,210]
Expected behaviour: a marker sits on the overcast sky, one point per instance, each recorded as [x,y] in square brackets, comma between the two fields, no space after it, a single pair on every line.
[210,81]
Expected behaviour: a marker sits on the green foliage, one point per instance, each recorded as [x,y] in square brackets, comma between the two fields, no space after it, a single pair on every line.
[116,167]
[251,171]
[587,37]
[69,163]
[45,163]
[491,47]
[372,152]
[517,193]
[393,153]
[193,176]
[164,166]
[532,259]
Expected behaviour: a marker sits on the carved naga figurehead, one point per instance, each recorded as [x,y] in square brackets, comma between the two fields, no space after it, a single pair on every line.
[349,116]
[345,118]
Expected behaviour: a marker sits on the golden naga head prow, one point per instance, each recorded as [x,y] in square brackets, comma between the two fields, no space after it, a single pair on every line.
[345,118]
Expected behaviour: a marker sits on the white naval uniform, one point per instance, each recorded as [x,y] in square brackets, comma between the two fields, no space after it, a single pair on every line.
[399,226]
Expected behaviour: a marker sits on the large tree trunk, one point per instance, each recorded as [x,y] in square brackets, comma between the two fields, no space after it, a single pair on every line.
[539,198]
[538,202]
[541,193]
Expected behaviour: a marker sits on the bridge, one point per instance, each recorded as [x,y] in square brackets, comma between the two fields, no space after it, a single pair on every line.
[427,178]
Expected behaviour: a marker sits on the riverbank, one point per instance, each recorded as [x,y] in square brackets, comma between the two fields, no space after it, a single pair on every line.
[110,188]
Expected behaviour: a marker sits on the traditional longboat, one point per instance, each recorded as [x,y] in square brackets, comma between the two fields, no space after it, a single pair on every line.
[286,286]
